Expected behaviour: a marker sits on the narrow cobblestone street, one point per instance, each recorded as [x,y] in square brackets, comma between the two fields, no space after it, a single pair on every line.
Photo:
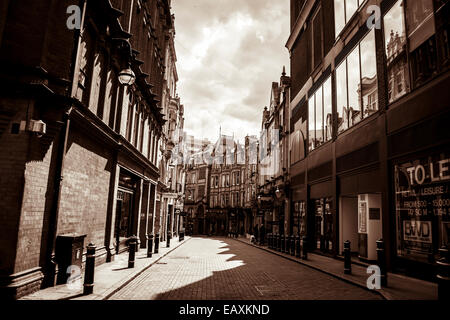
[222,269]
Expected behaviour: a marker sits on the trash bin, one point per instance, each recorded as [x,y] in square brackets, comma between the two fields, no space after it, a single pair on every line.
[68,252]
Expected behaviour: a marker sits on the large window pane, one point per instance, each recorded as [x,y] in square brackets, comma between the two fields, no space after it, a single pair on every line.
[353,78]
[396,52]
[341,95]
[319,118]
[350,8]
[312,121]
[369,87]
[339,16]
[327,109]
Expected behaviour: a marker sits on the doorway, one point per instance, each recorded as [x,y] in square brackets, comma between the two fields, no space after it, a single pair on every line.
[348,229]
[323,225]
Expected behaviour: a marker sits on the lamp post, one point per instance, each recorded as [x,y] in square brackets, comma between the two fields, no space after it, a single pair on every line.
[126,77]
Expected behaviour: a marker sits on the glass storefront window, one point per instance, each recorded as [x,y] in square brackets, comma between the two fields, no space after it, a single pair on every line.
[422,194]
[299,219]
[324,231]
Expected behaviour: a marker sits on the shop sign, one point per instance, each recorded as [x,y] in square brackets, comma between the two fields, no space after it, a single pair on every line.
[419,231]
[422,200]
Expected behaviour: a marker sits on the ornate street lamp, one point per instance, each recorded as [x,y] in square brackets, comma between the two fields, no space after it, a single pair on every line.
[127,77]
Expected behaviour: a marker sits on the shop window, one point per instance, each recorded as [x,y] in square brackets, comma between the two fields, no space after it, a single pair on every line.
[324,231]
[422,207]
[356,84]
[343,12]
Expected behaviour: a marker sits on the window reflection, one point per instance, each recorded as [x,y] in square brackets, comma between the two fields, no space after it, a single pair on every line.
[320,115]
[312,122]
[350,8]
[368,87]
[327,109]
[396,52]
[356,84]
[319,118]
[341,95]
[353,79]
[339,16]
[343,12]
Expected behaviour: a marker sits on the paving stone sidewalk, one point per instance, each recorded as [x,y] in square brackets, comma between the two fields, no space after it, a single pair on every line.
[109,277]
[399,287]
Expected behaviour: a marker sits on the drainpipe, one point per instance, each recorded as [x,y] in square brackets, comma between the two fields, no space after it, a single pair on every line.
[50,263]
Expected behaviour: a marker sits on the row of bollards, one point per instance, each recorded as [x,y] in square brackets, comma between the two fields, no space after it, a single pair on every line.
[292,245]
[88,287]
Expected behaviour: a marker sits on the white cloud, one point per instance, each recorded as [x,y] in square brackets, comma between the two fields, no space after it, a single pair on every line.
[229,53]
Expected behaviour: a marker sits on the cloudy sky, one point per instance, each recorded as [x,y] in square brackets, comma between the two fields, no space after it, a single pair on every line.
[229,53]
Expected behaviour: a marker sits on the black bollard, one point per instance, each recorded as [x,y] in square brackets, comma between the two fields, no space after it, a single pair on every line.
[292,245]
[283,243]
[132,246]
[181,238]
[347,258]
[443,275]
[88,287]
[381,257]
[297,246]
[305,248]
[157,243]
[149,245]
[286,244]
[169,236]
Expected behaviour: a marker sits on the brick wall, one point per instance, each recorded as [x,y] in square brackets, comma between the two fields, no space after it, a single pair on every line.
[12,165]
[85,188]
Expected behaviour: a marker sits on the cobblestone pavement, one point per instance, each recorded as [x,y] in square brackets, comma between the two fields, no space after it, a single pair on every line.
[225,269]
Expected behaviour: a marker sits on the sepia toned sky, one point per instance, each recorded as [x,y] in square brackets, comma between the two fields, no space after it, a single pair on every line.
[229,53]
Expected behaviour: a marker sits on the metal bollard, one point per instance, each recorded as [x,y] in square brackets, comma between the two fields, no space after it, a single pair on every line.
[305,248]
[381,257]
[297,246]
[132,245]
[88,287]
[292,245]
[283,243]
[149,245]
[286,244]
[157,243]
[347,258]
[169,236]
[443,275]
[181,238]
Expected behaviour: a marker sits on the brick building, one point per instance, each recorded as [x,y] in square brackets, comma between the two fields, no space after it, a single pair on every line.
[370,105]
[81,140]
[273,168]
[221,187]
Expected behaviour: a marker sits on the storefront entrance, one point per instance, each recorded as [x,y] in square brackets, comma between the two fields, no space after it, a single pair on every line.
[125,214]
[360,223]
[323,222]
